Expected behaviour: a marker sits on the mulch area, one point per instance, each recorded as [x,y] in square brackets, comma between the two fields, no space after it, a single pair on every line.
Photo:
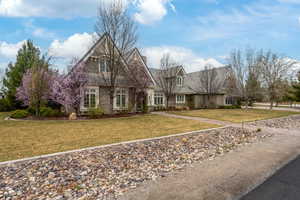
[112,171]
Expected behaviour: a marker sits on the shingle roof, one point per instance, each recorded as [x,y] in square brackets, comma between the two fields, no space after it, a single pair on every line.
[192,81]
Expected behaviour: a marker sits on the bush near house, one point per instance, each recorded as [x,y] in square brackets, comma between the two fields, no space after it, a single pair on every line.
[230,107]
[95,113]
[19,114]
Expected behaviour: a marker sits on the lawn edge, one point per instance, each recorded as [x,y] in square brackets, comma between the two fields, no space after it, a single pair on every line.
[10,162]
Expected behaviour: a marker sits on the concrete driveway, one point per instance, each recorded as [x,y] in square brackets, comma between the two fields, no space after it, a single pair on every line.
[228,177]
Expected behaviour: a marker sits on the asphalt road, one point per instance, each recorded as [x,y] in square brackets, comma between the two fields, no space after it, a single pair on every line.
[283,185]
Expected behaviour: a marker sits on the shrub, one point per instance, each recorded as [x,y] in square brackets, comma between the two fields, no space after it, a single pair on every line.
[230,107]
[4,105]
[19,114]
[145,108]
[95,113]
[49,112]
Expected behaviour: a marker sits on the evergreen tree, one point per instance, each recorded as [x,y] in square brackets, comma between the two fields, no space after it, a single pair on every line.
[27,56]
[296,88]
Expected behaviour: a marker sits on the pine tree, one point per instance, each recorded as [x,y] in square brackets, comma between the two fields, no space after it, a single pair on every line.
[27,56]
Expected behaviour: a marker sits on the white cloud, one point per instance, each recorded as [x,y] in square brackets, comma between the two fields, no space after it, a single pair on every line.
[38,31]
[48,8]
[74,46]
[8,50]
[181,55]
[150,11]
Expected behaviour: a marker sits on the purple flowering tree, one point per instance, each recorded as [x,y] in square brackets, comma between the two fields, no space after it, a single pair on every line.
[67,90]
[35,87]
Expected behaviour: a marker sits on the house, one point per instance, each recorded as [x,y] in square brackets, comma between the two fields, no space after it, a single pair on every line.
[97,92]
[189,92]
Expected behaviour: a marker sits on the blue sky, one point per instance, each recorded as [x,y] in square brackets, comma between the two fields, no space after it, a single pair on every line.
[195,32]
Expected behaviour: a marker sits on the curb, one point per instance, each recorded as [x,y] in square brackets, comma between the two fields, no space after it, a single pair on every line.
[107,145]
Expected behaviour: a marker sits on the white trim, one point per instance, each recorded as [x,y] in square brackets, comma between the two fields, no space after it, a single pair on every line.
[161,94]
[180,102]
[82,108]
[115,107]
[144,64]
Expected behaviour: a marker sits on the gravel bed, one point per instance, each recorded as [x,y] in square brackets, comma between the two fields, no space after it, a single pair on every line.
[107,173]
[291,122]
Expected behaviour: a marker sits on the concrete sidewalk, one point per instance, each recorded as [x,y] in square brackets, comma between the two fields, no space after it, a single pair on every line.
[228,177]
[206,120]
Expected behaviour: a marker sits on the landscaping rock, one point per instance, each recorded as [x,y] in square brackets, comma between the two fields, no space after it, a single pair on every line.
[107,173]
[291,122]
[73,116]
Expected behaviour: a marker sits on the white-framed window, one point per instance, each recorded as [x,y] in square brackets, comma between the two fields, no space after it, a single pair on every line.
[89,98]
[179,80]
[229,101]
[158,99]
[103,65]
[121,97]
[180,98]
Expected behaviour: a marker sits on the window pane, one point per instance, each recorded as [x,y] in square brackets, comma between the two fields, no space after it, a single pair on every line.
[86,100]
[92,100]
[118,100]
[123,101]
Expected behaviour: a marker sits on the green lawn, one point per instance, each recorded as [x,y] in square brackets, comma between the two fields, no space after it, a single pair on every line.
[19,139]
[236,115]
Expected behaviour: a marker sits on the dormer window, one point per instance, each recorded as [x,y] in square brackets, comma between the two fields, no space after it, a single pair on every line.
[179,80]
[103,66]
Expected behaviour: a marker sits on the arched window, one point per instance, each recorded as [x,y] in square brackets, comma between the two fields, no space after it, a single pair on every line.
[179,81]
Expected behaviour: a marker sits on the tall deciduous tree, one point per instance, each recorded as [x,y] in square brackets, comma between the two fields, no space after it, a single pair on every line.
[35,88]
[167,77]
[209,82]
[245,71]
[113,19]
[274,69]
[68,90]
[27,57]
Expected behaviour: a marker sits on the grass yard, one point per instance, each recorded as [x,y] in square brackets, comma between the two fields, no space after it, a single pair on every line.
[236,115]
[19,139]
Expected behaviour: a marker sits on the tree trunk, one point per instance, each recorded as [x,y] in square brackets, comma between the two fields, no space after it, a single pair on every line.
[111,101]
[247,103]
[271,104]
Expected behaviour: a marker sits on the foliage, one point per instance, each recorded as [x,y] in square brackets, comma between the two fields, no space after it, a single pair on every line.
[19,114]
[296,89]
[95,113]
[36,85]
[66,90]
[27,57]
[4,105]
[230,107]
[49,112]
[145,108]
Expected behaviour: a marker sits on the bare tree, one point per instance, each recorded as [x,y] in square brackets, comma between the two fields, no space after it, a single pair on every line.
[274,69]
[209,82]
[113,20]
[245,73]
[167,77]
